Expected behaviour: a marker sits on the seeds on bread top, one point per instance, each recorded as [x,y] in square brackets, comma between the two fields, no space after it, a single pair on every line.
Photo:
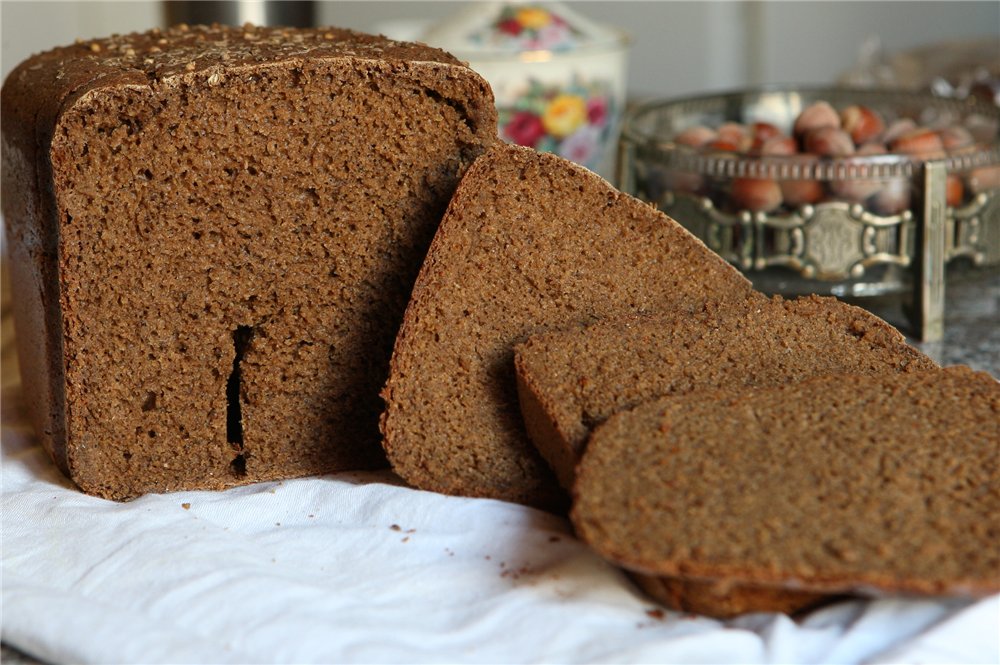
[158,54]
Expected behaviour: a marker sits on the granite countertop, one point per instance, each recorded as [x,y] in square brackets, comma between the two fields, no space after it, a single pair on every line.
[972,321]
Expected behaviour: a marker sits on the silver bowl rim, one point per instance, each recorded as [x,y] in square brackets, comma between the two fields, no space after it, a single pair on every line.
[727,164]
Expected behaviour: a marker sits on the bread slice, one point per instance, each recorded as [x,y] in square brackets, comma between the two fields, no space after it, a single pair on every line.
[570,381]
[530,242]
[885,483]
[213,235]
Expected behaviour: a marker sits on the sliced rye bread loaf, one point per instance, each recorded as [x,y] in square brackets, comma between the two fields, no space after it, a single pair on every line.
[886,483]
[213,236]
[570,381]
[530,242]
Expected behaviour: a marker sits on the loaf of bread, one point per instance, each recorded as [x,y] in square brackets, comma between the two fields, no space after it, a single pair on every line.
[880,483]
[530,242]
[570,381]
[213,236]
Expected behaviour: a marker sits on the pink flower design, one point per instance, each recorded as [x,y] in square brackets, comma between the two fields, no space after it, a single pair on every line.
[597,111]
[510,26]
[581,146]
[554,35]
[525,129]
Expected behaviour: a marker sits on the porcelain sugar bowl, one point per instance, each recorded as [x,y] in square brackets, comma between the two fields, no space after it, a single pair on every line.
[558,78]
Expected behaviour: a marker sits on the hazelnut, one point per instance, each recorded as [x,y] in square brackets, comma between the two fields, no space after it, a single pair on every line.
[779,145]
[873,148]
[816,116]
[761,132]
[736,134]
[857,190]
[892,198]
[756,194]
[696,136]
[829,142]
[954,191]
[723,145]
[862,123]
[659,181]
[801,192]
[679,181]
[984,178]
[921,141]
[896,129]
[956,137]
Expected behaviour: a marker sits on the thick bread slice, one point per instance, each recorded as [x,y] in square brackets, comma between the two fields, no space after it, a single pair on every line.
[843,483]
[214,233]
[570,381]
[530,242]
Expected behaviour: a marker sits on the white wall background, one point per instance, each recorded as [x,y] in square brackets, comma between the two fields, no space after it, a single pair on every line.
[678,47]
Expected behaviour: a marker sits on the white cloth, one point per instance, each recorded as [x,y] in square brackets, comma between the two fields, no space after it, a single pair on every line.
[357,568]
[314,570]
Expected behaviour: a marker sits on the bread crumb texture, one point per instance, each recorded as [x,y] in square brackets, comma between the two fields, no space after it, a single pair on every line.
[840,483]
[578,377]
[530,242]
[239,215]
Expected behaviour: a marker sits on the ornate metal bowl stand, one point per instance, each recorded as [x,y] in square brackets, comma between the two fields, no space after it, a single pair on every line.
[832,247]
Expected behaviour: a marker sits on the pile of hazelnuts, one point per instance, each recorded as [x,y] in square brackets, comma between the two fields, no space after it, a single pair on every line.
[820,131]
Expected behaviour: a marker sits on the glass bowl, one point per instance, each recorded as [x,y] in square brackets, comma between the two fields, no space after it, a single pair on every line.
[855,226]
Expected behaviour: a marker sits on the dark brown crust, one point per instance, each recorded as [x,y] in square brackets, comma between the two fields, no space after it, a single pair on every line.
[955,404]
[156,56]
[544,427]
[45,88]
[433,462]
[724,600]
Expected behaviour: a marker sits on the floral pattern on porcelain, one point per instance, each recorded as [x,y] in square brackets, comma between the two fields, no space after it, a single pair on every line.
[527,28]
[573,121]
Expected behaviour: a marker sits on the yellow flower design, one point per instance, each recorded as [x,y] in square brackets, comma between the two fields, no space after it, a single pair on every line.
[564,114]
[533,18]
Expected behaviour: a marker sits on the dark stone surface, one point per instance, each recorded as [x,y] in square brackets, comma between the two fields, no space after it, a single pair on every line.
[972,320]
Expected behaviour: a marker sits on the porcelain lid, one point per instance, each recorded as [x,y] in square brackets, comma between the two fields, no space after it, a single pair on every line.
[515,27]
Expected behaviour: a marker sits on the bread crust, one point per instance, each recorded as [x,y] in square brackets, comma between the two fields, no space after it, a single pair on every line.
[725,600]
[549,432]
